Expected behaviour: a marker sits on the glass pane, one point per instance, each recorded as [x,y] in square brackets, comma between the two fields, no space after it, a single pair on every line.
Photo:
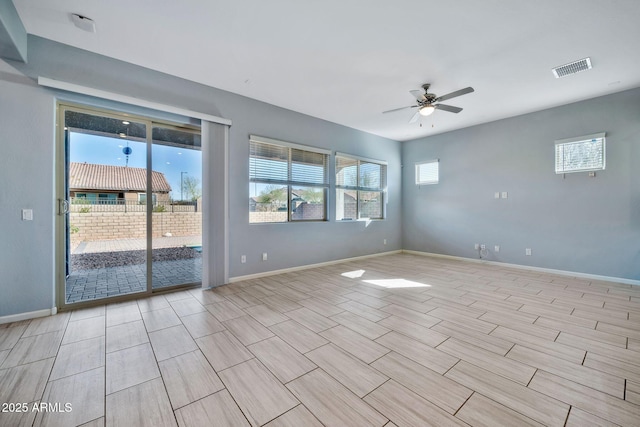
[308,167]
[346,172]
[427,173]
[370,204]
[268,203]
[106,168]
[346,204]
[308,203]
[177,207]
[580,156]
[370,175]
[268,162]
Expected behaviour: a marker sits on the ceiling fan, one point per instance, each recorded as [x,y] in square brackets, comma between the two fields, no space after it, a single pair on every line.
[429,102]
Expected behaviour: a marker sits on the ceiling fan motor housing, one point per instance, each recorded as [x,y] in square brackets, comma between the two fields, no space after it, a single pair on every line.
[429,98]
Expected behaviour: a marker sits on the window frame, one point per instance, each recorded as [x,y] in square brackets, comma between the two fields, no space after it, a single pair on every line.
[418,165]
[599,137]
[358,188]
[291,184]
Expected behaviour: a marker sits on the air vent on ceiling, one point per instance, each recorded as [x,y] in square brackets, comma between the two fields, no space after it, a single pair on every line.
[572,68]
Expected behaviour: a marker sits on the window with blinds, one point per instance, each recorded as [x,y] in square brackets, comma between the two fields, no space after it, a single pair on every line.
[360,188]
[288,182]
[427,172]
[586,153]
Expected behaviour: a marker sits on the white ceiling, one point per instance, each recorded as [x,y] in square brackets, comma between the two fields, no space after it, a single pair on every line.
[346,61]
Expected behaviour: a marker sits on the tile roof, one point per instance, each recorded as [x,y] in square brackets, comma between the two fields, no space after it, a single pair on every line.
[88,176]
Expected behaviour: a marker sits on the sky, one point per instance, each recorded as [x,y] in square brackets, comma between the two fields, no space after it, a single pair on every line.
[108,151]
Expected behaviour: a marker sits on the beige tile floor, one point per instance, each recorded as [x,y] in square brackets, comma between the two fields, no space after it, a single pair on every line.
[398,340]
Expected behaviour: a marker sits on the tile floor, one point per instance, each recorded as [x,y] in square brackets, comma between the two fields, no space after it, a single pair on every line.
[398,340]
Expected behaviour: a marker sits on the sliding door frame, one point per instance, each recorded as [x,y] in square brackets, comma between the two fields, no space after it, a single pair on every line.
[61,195]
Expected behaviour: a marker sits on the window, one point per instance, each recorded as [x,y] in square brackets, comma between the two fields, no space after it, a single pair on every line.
[586,153]
[142,199]
[288,182]
[427,172]
[360,187]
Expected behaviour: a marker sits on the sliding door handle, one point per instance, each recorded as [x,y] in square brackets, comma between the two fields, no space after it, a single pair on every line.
[63,206]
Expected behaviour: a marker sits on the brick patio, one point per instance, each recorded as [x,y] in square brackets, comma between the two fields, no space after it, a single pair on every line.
[98,283]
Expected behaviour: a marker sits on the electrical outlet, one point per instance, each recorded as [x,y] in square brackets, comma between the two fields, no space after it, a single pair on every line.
[505,194]
[243,259]
[527,251]
[384,241]
[483,247]
[27,214]
[496,248]
[476,246]
[264,256]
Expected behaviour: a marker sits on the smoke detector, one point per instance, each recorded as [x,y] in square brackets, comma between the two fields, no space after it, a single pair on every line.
[572,68]
[84,23]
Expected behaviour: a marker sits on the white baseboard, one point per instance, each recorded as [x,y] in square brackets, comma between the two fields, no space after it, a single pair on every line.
[527,267]
[308,266]
[29,315]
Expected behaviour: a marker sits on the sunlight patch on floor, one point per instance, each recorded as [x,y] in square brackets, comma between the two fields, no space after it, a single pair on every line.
[353,274]
[397,283]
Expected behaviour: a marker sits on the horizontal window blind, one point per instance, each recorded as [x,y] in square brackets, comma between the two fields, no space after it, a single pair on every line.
[427,172]
[580,154]
[268,162]
[309,167]
[281,164]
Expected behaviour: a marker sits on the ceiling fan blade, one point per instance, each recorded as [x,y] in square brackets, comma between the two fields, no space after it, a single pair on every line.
[398,109]
[449,108]
[414,118]
[454,94]
[418,94]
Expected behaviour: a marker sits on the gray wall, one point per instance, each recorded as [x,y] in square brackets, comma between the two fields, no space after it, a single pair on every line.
[573,223]
[27,138]
[26,177]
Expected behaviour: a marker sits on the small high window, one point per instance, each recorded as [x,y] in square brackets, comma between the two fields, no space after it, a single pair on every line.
[427,172]
[585,153]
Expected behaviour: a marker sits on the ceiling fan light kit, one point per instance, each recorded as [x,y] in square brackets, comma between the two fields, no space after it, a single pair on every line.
[427,102]
[427,110]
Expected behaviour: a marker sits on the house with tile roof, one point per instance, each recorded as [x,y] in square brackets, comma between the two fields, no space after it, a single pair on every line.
[106,184]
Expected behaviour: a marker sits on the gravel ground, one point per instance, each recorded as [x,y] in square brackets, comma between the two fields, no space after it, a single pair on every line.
[92,261]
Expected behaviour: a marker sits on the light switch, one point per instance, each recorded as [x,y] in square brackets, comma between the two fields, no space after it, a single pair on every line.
[27,214]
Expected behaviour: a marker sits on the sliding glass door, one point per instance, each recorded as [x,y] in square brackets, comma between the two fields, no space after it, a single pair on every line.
[176,217]
[129,207]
